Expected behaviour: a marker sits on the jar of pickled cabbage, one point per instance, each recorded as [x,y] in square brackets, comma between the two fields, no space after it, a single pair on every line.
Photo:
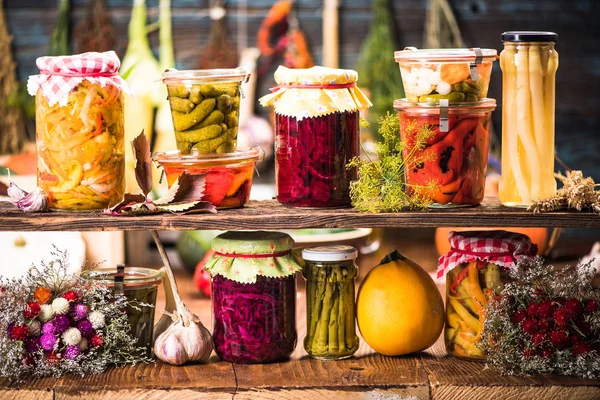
[253,296]
[476,268]
[330,272]
[317,124]
[79,130]
[529,63]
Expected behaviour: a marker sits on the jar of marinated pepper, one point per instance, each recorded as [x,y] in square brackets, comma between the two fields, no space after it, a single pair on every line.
[476,268]
[317,123]
[80,130]
[529,62]
[330,272]
[140,287]
[253,296]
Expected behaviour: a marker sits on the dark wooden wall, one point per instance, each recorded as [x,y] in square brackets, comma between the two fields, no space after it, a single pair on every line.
[481,21]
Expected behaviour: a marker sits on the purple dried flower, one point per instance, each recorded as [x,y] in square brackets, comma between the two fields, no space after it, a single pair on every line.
[78,311]
[48,327]
[71,352]
[61,323]
[48,341]
[33,344]
[9,330]
[86,328]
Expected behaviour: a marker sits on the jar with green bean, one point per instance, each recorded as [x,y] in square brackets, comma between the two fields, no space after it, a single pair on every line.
[330,272]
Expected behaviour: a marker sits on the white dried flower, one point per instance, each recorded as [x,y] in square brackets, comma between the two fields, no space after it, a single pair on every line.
[83,344]
[35,327]
[71,337]
[46,313]
[97,319]
[60,305]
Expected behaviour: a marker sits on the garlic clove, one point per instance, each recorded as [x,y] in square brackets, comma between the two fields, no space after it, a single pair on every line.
[15,193]
[36,201]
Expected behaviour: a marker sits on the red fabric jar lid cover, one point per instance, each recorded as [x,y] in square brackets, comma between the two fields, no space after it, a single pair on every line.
[59,75]
[499,247]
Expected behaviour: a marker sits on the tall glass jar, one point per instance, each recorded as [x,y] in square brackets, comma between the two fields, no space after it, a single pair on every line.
[529,63]
[330,273]
[476,269]
[317,123]
[253,296]
[80,130]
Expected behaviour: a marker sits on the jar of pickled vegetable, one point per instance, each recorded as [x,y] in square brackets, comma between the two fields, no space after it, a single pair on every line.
[330,272]
[317,124]
[140,287]
[529,63]
[79,129]
[448,149]
[205,107]
[476,268]
[253,296]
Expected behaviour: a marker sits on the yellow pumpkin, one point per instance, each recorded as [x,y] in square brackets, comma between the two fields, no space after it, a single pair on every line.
[399,308]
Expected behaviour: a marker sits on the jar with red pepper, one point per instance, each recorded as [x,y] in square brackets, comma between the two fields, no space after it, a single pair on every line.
[317,123]
[451,144]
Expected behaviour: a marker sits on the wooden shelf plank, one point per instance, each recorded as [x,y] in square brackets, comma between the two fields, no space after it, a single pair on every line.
[271,215]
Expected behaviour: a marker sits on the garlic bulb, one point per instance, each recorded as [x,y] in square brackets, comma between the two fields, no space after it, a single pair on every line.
[36,201]
[180,344]
[182,337]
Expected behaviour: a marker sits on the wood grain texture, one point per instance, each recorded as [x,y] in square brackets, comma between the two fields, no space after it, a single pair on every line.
[270,215]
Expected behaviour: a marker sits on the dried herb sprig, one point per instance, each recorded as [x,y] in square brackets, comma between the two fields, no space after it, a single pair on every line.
[381,186]
[545,321]
[578,193]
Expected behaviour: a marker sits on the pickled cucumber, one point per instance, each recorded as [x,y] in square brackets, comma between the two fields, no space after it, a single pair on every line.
[219,89]
[211,145]
[215,118]
[470,97]
[231,120]
[195,95]
[434,98]
[227,147]
[181,105]
[465,87]
[178,91]
[182,121]
[197,135]
[225,103]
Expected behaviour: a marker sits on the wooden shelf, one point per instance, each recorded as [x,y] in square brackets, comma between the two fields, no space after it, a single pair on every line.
[271,215]
[427,375]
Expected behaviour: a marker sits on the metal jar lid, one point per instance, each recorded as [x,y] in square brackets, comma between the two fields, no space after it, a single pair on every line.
[529,36]
[330,253]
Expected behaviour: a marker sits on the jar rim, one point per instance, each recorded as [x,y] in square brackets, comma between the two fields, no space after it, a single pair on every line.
[255,154]
[412,54]
[330,253]
[131,276]
[486,104]
[223,75]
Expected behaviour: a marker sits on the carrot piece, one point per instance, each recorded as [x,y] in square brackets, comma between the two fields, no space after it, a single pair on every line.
[454,73]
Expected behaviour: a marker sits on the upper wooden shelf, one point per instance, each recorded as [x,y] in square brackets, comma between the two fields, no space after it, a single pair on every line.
[270,215]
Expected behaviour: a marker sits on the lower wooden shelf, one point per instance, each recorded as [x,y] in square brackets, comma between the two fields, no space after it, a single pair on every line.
[427,375]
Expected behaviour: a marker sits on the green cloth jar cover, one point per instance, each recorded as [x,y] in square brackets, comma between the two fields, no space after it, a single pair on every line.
[273,250]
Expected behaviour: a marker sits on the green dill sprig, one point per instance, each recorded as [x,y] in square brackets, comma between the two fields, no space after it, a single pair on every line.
[381,184]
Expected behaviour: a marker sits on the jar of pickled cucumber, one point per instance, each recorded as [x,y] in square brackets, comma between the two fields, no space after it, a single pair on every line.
[253,293]
[317,123]
[529,63]
[330,272]
[79,130]
[476,268]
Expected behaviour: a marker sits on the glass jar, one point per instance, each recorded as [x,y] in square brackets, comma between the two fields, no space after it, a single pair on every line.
[140,287]
[476,268]
[448,167]
[205,107]
[228,176]
[317,124]
[529,63]
[253,293]
[456,75]
[80,130]
[330,274]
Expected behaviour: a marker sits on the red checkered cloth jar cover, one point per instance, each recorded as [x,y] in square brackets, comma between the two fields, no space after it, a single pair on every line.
[59,75]
[498,247]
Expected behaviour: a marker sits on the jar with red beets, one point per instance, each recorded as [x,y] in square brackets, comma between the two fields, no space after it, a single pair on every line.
[317,123]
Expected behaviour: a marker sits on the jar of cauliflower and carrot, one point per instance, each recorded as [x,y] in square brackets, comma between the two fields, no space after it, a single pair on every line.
[80,130]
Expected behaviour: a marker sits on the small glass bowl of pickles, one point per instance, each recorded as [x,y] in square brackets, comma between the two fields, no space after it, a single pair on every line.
[205,107]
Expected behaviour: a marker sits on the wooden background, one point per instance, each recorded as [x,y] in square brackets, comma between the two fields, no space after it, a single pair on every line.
[481,21]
